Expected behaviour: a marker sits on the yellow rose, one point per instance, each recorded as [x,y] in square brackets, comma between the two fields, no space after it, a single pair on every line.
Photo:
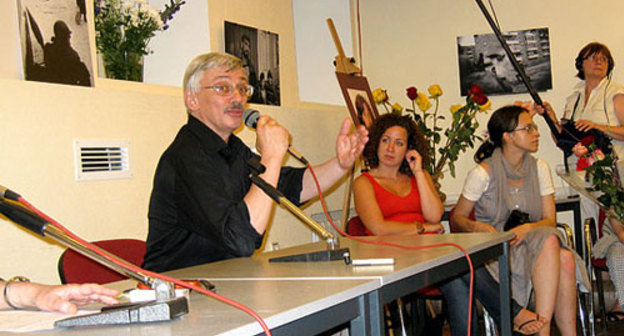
[397,108]
[380,96]
[485,106]
[423,102]
[435,91]
[455,108]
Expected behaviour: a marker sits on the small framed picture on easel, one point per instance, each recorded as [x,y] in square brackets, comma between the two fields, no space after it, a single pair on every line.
[359,99]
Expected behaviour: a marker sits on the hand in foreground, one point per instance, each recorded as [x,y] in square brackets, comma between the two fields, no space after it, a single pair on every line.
[272,139]
[67,298]
[350,146]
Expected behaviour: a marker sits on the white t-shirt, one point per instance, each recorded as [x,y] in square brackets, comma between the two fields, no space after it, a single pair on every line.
[478,180]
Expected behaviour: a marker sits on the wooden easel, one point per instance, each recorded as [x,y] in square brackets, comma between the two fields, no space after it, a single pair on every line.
[345,65]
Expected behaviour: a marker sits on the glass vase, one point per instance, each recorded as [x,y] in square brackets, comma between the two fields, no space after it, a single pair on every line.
[123,65]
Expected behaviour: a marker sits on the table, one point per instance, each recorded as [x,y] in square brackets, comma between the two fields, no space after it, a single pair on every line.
[287,307]
[308,298]
[574,181]
[413,269]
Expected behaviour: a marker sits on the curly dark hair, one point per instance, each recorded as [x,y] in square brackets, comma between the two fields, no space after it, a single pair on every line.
[415,140]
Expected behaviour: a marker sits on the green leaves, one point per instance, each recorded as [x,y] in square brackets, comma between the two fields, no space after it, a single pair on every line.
[124,29]
[603,175]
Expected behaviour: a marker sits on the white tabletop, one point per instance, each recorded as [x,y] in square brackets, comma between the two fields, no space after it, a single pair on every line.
[407,261]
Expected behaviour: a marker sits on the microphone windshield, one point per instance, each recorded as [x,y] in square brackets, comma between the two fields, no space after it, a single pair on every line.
[250,117]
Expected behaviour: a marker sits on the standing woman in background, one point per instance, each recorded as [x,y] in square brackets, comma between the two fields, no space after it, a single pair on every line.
[598,103]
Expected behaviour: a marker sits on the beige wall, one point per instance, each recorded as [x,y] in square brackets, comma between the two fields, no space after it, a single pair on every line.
[38,123]
[405,43]
[409,43]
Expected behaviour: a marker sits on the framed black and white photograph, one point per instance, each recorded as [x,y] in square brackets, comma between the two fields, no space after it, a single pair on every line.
[54,38]
[359,99]
[259,50]
[483,61]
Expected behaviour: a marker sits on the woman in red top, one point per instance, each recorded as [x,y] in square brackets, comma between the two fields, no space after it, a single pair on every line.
[390,196]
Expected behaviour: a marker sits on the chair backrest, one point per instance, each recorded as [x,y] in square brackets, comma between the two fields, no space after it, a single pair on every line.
[355,227]
[76,268]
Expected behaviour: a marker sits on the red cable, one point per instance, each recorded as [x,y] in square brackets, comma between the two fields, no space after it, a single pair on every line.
[399,245]
[137,269]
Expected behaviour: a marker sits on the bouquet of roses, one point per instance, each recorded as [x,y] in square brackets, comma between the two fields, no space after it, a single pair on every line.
[460,134]
[600,167]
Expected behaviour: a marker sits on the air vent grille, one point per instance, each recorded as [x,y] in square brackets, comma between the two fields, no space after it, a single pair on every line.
[102,160]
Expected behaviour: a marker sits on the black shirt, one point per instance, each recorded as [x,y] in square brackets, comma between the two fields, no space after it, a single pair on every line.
[197,213]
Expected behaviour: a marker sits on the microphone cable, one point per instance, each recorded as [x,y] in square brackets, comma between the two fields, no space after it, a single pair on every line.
[423,247]
[137,269]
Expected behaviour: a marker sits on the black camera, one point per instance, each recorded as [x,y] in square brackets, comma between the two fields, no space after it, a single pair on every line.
[516,217]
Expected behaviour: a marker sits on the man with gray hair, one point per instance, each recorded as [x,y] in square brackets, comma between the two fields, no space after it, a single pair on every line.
[203,206]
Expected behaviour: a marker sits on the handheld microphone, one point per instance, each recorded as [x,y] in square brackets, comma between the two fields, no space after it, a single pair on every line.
[250,118]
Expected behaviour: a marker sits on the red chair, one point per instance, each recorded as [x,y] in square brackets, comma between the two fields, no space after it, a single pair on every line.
[76,268]
[355,227]
[454,229]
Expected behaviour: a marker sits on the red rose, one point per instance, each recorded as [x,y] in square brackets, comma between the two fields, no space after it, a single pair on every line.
[475,90]
[412,93]
[479,98]
[581,164]
[588,140]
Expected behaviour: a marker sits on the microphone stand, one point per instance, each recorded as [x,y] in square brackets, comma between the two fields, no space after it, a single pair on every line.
[332,253]
[166,307]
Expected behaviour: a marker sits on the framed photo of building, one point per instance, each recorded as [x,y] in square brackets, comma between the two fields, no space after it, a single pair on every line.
[259,50]
[359,99]
[483,61]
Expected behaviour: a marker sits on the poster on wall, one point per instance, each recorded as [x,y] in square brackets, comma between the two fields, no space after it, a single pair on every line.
[483,61]
[259,50]
[54,40]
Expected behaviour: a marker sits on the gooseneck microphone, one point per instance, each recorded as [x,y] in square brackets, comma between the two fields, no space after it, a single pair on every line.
[8,194]
[250,118]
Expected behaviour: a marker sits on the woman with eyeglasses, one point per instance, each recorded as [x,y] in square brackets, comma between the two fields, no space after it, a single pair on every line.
[598,103]
[510,190]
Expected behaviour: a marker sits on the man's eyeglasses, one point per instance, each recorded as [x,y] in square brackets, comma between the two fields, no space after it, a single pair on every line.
[528,128]
[596,57]
[227,90]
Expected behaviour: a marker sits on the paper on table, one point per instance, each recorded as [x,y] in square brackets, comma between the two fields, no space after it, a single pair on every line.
[28,321]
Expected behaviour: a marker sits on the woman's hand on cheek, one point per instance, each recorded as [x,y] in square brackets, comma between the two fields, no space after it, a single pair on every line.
[414,160]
